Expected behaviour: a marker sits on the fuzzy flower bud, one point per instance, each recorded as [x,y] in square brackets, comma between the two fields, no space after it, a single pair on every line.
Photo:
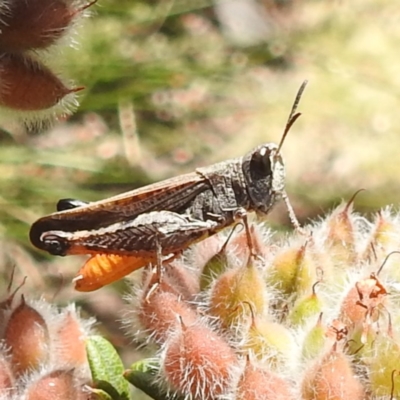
[197,362]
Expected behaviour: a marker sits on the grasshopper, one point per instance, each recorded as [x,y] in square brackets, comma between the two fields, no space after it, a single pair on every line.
[133,229]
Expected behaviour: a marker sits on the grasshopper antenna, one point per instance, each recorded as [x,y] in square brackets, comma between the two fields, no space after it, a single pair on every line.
[291,120]
[293,115]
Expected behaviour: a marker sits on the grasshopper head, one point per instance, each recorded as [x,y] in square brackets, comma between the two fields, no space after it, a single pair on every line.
[264,172]
[264,169]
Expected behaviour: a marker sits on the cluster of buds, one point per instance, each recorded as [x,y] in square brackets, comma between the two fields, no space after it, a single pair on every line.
[43,351]
[311,315]
[29,29]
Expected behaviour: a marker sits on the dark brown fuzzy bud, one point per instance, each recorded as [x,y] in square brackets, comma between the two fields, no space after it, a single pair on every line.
[28,85]
[35,24]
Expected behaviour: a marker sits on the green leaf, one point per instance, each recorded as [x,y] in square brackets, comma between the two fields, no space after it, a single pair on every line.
[214,267]
[101,394]
[106,368]
[143,375]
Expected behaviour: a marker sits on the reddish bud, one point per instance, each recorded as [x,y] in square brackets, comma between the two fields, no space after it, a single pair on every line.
[241,243]
[57,385]
[27,85]
[332,378]
[159,312]
[261,384]
[362,307]
[27,336]
[70,341]
[35,24]
[198,363]
[178,275]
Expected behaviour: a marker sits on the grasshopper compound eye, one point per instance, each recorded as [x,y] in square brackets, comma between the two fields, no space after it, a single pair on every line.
[264,172]
[260,162]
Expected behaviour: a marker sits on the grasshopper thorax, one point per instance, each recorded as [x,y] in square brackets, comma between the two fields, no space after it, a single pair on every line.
[264,171]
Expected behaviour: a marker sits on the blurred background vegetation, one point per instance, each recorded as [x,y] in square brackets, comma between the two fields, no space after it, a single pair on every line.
[176,84]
